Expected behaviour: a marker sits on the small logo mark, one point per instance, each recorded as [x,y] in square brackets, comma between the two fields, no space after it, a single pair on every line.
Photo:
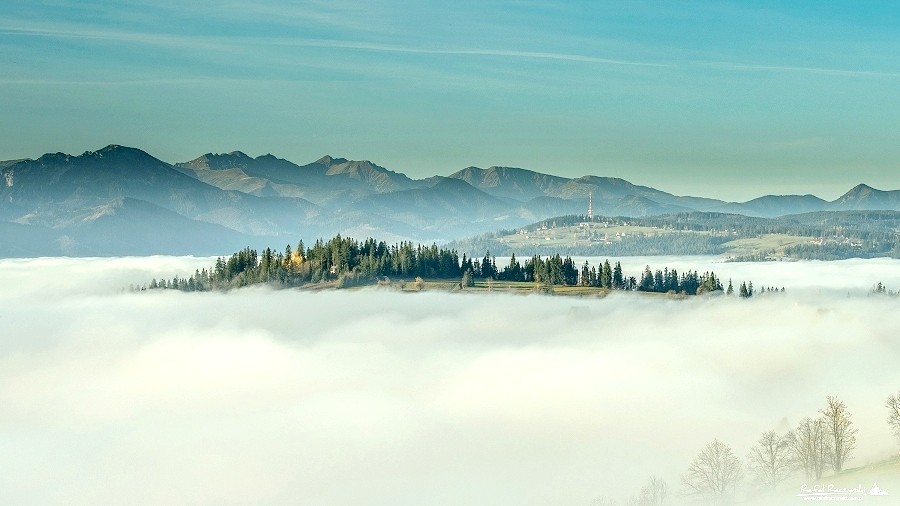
[876,490]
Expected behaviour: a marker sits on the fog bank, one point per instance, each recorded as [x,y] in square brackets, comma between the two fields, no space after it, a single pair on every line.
[375,397]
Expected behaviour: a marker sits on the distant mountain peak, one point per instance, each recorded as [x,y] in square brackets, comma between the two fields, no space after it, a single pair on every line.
[219,161]
[860,191]
[861,187]
[116,149]
[864,197]
[328,161]
[112,154]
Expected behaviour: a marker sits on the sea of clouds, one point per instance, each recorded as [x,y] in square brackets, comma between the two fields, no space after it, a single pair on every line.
[373,397]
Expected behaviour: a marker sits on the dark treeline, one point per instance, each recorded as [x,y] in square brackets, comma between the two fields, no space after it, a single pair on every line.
[873,226]
[340,259]
[348,262]
[841,251]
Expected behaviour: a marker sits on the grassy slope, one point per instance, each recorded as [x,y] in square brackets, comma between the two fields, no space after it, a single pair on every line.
[763,244]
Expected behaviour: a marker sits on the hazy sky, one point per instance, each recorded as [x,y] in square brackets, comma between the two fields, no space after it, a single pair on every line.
[277,397]
[720,99]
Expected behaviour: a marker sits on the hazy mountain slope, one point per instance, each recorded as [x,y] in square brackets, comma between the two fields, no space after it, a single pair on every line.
[133,227]
[109,194]
[525,185]
[366,174]
[635,206]
[614,189]
[121,227]
[864,197]
[237,180]
[448,207]
[56,184]
[540,208]
[328,181]
[362,224]
[446,197]
[7,163]
[771,206]
[112,172]
[265,167]
[28,241]
[510,182]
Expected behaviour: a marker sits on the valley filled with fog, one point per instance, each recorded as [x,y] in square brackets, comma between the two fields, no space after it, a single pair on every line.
[372,397]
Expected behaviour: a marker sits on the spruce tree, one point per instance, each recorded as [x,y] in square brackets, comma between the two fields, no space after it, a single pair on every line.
[606,275]
[618,279]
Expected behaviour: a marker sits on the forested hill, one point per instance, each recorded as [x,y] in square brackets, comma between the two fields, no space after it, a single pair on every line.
[343,262]
[827,235]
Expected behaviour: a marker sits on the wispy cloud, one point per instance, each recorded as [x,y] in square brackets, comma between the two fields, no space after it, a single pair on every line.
[471,52]
[341,15]
[78,32]
[741,67]
[200,81]
[240,42]
[236,42]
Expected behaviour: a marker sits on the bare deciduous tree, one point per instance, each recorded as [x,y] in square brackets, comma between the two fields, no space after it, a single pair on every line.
[772,459]
[811,446]
[893,406]
[714,474]
[654,493]
[603,501]
[840,431]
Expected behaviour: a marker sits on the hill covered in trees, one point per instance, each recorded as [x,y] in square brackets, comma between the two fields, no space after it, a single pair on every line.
[809,236]
[343,262]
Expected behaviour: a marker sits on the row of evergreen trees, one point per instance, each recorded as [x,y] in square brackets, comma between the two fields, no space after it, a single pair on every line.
[669,281]
[348,261]
[341,258]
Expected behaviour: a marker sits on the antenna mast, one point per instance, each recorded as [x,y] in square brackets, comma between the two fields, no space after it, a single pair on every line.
[590,206]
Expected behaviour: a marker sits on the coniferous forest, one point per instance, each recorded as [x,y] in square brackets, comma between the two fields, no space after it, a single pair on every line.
[344,262]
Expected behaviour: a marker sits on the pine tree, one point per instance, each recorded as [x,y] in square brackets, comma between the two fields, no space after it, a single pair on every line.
[487,267]
[606,275]
[618,279]
[730,290]
[646,283]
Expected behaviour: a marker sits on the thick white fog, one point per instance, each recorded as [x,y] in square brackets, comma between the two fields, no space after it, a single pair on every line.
[374,397]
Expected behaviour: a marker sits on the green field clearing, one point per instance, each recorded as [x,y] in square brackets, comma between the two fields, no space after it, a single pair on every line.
[766,243]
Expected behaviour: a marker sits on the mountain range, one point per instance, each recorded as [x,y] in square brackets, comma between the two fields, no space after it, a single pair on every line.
[122,201]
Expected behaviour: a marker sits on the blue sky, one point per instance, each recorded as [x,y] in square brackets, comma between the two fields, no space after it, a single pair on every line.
[721,99]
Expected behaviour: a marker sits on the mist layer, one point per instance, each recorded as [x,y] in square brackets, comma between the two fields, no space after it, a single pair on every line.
[377,397]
